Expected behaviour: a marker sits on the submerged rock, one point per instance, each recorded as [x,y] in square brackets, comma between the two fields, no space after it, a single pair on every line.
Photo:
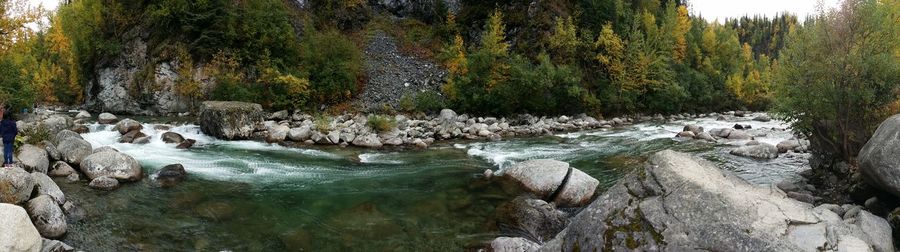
[678,203]
[879,159]
[171,175]
[230,120]
[112,164]
[532,217]
[18,233]
[15,185]
[104,183]
[47,217]
[543,177]
[216,211]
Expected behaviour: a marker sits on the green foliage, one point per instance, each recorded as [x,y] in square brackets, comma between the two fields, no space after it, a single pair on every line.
[14,91]
[839,76]
[381,123]
[428,101]
[32,135]
[333,64]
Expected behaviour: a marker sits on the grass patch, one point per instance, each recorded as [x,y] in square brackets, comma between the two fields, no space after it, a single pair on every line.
[381,123]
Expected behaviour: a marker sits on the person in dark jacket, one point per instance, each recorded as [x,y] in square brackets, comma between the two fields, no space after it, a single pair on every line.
[8,131]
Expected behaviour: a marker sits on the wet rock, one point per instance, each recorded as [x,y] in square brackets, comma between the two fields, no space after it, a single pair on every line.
[107,118]
[686,134]
[128,125]
[787,186]
[47,217]
[880,157]
[112,164]
[696,129]
[131,136]
[80,129]
[19,234]
[513,244]
[16,185]
[73,150]
[45,186]
[364,222]
[532,217]
[542,177]
[706,137]
[104,183]
[760,150]
[34,158]
[678,202]
[368,140]
[230,120]
[187,144]
[172,138]
[802,197]
[60,169]
[297,240]
[216,211]
[55,246]
[83,115]
[875,206]
[55,123]
[789,145]
[171,175]
[763,118]
[141,140]
[739,135]
[105,148]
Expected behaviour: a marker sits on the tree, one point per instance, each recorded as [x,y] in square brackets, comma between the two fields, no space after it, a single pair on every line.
[839,76]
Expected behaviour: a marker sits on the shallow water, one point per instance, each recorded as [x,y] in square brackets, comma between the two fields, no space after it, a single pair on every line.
[250,196]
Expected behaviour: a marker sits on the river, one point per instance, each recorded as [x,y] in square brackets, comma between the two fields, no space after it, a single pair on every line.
[251,196]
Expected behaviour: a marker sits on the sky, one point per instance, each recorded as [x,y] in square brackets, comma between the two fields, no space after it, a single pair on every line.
[710,9]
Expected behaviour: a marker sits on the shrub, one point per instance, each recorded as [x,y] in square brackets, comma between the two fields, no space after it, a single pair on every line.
[333,64]
[381,123]
[322,123]
[32,135]
[428,101]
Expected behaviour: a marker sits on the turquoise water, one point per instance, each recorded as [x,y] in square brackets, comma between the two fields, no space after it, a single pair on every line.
[249,196]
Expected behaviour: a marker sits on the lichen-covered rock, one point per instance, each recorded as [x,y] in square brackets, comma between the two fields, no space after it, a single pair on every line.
[104,183]
[34,158]
[45,186]
[60,169]
[15,185]
[18,233]
[300,134]
[47,217]
[66,134]
[55,123]
[879,159]
[759,150]
[368,140]
[513,244]
[679,203]
[73,150]
[543,177]
[128,125]
[52,152]
[230,120]
[107,118]
[111,164]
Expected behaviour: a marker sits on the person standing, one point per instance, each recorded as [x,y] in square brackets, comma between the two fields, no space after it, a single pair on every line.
[8,132]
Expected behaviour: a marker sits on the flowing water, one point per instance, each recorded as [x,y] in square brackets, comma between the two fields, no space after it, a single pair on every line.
[251,196]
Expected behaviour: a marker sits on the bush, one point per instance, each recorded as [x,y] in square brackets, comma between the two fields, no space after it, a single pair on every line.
[381,123]
[428,101]
[333,64]
[32,135]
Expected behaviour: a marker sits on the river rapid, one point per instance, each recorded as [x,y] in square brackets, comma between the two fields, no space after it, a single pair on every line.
[252,196]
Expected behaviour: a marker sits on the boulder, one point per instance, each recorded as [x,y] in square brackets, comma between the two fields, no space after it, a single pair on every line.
[73,150]
[66,134]
[128,125]
[55,123]
[83,115]
[187,144]
[15,185]
[18,233]
[759,150]
[111,164]
[448,115]
[34,158]
[60,169]
[513,244]
[45,186]
[80,129]
[277,133]
[705,136]
[131,136]
[171,175]
[685,134]
[763,118]
[105,148]
[300,134]
[788,145]
[680,203]
[543,177]
[696,129]
[368,140]
[141,140]
[738,135]
[107,118]
[47,217]
[104,183]
[879,159]
[536,218]
[52,152]
[280,115]
[172,138]
[230,120]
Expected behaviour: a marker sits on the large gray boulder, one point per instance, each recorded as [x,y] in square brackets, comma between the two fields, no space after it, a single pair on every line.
[277,133]
[127,125]
[879,159]
[513,244]
[73,150]
[66,134]
[55,123]
[60,169]
[104,183]
[45,186]
[543,177]
[52,152]
[15,185]
[34,158]
[107,118]
[761,151]
[368,140]
[230,120]
[172,137]
[680,203]
[534,217]
[47,217]
[83,115]
[791,145]
[18,233]
[112,164]
[300,134]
